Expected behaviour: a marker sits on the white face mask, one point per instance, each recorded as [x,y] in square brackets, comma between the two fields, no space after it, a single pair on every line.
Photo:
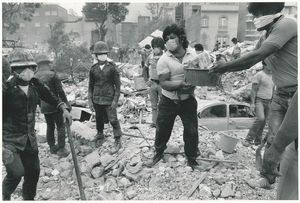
[265,20]
[156,51]
[26,75]
[102,57]
[171,45]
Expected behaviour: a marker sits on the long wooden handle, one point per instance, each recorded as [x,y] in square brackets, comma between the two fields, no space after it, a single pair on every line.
[77,170]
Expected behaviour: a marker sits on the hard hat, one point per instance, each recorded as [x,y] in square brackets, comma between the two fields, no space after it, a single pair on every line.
[19,58]
[100,48]
[42,58]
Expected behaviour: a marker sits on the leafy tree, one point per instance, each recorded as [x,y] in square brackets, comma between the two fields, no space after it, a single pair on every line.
[58,37]
[13,13]
[99,13]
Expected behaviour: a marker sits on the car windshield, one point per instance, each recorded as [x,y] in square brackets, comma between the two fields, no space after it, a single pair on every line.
[237,111]
[218,111]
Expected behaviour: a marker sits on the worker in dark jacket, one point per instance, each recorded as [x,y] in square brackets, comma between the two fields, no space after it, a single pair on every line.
[19,144]
[104,93]
[53,116]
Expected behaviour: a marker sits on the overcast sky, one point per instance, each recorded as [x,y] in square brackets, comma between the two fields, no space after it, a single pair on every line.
[135,9]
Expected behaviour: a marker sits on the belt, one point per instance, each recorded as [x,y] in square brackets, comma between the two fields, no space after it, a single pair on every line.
[156,81]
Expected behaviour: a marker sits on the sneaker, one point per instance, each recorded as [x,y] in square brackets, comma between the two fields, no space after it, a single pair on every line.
[53,149]
[63,152]
[117,146]
[155,160]
[194,165]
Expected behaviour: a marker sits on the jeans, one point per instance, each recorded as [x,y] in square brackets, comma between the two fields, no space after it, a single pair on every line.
[155,94]
[53,119]
[105,110]
[288,182]
[187,111]
[25,163]
[278,108]
[261,111]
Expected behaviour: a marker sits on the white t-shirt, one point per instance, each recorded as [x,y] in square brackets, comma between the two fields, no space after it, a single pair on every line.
[24,88]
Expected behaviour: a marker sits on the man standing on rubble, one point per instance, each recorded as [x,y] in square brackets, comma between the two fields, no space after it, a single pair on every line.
[145,52]
[177,96]
[279,50]
[261,96]
[104,93]
[158,46]
[53,117]
[19,145]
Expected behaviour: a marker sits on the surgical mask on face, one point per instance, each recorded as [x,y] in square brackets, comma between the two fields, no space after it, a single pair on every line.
[26,75]
[156,51]
[265,20]
[102,57]
[171,45]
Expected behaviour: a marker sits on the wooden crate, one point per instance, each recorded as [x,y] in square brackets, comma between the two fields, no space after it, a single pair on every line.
[201,77]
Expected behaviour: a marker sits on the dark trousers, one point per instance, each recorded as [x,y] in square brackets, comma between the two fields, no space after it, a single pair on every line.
[187,111]
[262,107]
[53,119]
[104,112]
[25,163]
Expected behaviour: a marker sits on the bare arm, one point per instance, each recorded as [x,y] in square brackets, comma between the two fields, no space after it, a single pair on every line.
[248,60]
[164,81]
[253,92]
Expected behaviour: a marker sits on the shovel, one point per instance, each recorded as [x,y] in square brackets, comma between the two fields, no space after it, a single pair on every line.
[77,170]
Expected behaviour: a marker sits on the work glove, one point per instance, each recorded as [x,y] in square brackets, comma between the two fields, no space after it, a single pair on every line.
[114,105]
[270,164]
[67,117]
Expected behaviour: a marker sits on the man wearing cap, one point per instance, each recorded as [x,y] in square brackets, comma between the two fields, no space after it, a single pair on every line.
[278,48]
[104,93]
[53,117]
[19,144]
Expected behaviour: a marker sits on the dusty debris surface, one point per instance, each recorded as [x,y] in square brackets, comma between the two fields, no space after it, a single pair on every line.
[123,176]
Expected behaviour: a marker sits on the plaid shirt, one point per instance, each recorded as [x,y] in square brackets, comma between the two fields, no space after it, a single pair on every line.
[19,112]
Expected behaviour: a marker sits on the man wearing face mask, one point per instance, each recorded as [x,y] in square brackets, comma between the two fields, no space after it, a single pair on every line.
[158,45]
[53,117]
[19,145]
[104,93]
[177,96]
[279,46]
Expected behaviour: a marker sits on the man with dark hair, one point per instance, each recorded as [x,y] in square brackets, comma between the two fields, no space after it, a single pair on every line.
[261,96]
[158,46]
[198,48]
[204,58]
[278,48]
[177,96]
[236,53]
[53,117]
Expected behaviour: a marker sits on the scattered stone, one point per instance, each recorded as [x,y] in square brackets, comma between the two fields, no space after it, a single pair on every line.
[238,195]
[133,169]
[154,181]
[106,159]
[66,174]
[216,193]
[85,150]
[124,182]
[65,166]
[92,159]
[110,185]
[55,172]
[131,193]
[204,191]
[172,149]
[97,172]
[228,190]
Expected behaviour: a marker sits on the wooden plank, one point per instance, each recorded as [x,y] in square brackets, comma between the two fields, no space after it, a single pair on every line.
[218,160]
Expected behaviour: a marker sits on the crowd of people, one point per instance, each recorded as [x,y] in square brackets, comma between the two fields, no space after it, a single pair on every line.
[274,99]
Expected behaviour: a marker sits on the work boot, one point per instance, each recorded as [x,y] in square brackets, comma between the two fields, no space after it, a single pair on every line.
[63,152]
[117,145]
[53,149]
[195,165]
[157,157]
[99,139]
